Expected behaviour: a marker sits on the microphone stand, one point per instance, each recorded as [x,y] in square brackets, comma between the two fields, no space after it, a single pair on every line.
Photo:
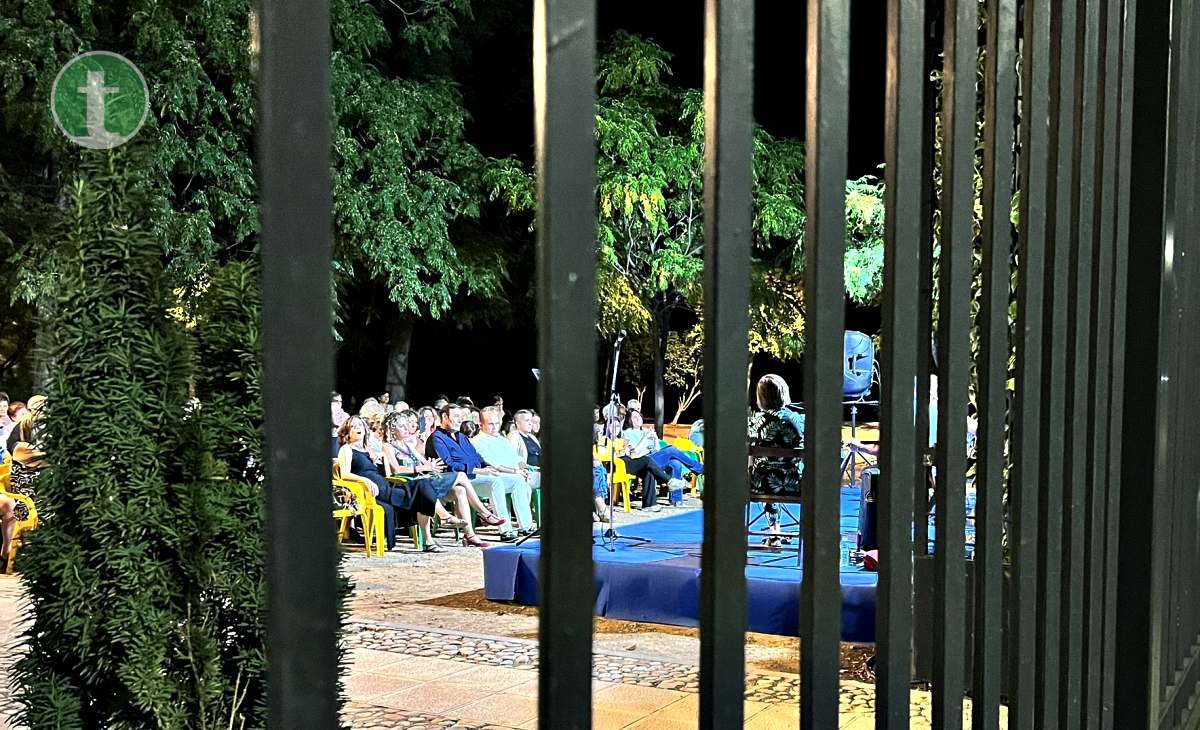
[609,535]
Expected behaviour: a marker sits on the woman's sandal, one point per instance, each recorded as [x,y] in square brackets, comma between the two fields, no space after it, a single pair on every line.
[453,521]
[475,541]
[433,547]
[494,521]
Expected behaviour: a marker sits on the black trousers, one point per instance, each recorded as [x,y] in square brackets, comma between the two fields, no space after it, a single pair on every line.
[650,474]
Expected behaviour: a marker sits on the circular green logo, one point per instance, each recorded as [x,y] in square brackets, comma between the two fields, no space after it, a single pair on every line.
[99,100]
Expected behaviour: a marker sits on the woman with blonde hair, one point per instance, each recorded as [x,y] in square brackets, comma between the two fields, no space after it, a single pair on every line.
[406,460]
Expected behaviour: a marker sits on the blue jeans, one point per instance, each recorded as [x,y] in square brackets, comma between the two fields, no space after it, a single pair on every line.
[675,460]
[600,482]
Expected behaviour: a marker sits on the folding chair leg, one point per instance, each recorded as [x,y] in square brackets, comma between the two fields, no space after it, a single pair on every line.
[625,495]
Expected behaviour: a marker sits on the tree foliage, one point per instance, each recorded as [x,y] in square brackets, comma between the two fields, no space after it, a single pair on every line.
[125,628]
[404,171]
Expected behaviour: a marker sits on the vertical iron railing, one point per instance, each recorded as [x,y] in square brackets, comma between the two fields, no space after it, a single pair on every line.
[728,217]
[1026,423]
[1052,471]
[564,44]
[297,245]
[960,47]
[1139,597]
[1079,371]
[827,101]
[905,130]
[1000,85]
[1102,626]
[1100,422]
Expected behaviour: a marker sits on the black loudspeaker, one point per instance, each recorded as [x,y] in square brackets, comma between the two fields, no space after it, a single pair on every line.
[868,510]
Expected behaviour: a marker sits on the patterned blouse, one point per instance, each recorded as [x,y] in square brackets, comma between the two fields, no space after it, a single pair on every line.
[783,428]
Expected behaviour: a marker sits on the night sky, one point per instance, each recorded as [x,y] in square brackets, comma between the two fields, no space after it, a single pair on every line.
[497,87]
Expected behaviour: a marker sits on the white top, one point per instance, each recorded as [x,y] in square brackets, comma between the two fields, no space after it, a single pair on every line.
[496,450]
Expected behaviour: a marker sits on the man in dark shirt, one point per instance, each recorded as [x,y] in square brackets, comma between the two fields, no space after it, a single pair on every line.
[450,445]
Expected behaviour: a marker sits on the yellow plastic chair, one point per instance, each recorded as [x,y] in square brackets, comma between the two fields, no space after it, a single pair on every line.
[686,445]
[29,523]
[369,511]
[606,452]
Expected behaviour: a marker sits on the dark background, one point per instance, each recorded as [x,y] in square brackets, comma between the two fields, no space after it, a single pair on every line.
[485,358]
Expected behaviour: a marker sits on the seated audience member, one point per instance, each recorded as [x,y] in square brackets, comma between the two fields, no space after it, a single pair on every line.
[600,487]
[633,405]
[498,452]
[440,401]
[469,428]
[644,468]
[427,424]
[339,417]
[505,417]
[407,461]
[16,411]
[528,448]
[375,436]
[385,400]
[465,401]
[400,407]
[416,500]
[25,443]
[458,453]
[644,442]
[776,426]
[535,426]
[5,422]
[597,424]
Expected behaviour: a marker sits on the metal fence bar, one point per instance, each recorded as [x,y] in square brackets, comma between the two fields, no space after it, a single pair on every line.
[1052,471]
[1138,625]
[905,131]
[1024,485]
[828,69]
[1079,361]
[1000,85]
[297,245]
[1170,351]
[564,42]
[954,317]
[1121,221]
[934,10]
[728,118]
[1120,213]
[1099,390]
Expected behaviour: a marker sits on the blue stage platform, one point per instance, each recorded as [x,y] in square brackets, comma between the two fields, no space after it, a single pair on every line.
[659,582]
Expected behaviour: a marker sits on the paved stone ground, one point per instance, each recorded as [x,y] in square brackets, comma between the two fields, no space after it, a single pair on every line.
[418,665]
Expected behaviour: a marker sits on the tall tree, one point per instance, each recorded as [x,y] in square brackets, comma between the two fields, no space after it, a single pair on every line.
[405,174]
[650,137]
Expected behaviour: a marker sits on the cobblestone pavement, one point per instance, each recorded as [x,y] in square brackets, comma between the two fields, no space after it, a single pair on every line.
[370,717]
[857,699]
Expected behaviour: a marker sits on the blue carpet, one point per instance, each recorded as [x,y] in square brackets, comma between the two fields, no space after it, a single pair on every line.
[659,582]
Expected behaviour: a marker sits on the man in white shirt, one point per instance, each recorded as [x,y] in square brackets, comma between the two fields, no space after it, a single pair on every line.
[499,453]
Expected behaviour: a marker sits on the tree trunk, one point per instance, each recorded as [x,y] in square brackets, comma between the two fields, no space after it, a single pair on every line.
[661,330]
[41,353]
[399,344]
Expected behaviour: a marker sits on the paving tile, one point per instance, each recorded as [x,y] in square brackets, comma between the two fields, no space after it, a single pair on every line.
[658,722]
[369,660]
[433,697]
[776,717]
[860,722]
[362,686]
[423,669]
[634,697]
[502,708]
[607,718]
[491,678]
